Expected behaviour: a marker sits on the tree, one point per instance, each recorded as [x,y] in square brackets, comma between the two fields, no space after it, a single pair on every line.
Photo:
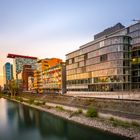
[13,88]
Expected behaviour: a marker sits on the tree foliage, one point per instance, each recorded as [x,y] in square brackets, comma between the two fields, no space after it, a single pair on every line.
[13,88]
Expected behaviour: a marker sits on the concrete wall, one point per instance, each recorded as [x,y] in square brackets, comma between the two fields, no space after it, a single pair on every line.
[114,95]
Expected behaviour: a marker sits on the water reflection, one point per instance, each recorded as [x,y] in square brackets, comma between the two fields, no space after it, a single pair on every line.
[24,123]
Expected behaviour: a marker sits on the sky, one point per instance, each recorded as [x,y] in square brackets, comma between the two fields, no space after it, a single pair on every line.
[53,28]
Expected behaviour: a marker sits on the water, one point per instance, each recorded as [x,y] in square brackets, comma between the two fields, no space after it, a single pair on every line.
[19,122]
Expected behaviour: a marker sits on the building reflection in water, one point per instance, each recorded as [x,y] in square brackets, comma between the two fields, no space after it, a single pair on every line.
[26,123]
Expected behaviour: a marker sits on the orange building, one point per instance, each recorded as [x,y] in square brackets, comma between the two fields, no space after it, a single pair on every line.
[42,66]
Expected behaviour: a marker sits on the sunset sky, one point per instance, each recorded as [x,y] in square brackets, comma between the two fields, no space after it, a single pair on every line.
[52,28]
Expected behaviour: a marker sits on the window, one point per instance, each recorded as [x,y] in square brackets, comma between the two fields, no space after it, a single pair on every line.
[101,44]
[103,58]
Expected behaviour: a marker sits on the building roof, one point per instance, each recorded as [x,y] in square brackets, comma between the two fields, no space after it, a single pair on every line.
[21,56]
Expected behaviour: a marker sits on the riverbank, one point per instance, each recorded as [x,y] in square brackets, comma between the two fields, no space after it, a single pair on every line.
[71,114]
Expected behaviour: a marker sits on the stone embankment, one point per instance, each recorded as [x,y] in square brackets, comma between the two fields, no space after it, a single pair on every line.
[129,109]
[68,112]
[98,123]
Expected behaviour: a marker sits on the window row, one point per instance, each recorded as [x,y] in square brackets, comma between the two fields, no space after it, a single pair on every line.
[110,49]
[136,53]
[107,65]
[134,27]
[135,41]
[107,79]
[101,66]
[94,46]
[135,34]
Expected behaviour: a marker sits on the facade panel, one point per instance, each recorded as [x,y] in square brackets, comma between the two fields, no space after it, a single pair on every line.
[106,67]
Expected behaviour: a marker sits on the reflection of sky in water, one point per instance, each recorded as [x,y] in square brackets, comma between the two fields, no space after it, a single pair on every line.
[19,122]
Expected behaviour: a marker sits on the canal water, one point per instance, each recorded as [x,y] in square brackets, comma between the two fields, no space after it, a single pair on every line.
[19,122]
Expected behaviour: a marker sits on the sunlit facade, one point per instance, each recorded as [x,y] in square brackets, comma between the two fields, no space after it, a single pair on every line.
[134,32]
[54,79]
[42,66]
[100,65]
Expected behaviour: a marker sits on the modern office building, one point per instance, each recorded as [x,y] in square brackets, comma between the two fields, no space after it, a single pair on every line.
[133,62]
[54,79]
[134,32]
[26,73]
[7,72]
[19,61]
[42,66]
[100,65]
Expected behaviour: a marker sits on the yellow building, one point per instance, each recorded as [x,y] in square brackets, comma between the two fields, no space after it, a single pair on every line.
[55,79]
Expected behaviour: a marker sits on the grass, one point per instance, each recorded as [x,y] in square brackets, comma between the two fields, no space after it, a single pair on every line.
[19,98]
[37,102]
[134,123]
[116,122]
[79,111]
[92,112]
[31,101]
[121,123]
[59,108]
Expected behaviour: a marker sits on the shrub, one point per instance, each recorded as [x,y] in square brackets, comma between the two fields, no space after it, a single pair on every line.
[111,119]
[91,112]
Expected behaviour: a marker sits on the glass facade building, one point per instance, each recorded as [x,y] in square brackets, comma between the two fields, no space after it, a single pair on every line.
[8,72]
[100,65]
[134,32]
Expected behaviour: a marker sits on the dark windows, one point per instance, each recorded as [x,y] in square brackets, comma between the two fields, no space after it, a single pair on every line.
[103,58]
[134,54]
[126,63]
[135,73]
